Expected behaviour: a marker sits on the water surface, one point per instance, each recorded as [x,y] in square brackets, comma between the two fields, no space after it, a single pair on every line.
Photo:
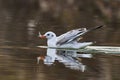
[19,29]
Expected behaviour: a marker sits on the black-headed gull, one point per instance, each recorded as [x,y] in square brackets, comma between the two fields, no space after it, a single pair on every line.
[68,39]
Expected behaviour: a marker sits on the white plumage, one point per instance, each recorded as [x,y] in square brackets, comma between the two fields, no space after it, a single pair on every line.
[68,39]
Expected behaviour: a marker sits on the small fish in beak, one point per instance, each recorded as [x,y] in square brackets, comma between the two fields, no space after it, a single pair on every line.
[41,36]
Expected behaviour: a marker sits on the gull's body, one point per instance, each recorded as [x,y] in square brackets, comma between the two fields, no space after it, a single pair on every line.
[68,39]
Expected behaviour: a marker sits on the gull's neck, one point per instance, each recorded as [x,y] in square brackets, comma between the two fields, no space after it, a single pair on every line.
[52,42]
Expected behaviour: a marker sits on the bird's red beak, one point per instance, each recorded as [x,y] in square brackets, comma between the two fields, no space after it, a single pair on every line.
[42,36]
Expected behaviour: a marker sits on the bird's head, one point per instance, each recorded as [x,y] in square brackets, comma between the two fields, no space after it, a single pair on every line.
[48,35]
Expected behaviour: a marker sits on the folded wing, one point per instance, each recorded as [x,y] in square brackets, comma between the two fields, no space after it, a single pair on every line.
[73,35]
[70,36]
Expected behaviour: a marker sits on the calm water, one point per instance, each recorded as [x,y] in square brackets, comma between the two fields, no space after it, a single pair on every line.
[20,59]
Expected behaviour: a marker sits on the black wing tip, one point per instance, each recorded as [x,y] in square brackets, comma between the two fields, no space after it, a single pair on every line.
[99,26]
[94,28]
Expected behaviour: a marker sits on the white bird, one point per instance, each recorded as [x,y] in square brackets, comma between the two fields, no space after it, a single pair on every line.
[68,39]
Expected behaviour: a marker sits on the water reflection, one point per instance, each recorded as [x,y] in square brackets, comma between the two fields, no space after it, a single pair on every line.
[71,59]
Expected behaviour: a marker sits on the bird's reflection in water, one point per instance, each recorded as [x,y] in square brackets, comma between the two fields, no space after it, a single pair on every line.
[71,59]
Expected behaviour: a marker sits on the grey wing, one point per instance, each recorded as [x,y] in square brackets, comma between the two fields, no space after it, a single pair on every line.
[74,34]
[70,36]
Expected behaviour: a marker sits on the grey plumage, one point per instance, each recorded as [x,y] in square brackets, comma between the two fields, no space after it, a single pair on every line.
[73,35]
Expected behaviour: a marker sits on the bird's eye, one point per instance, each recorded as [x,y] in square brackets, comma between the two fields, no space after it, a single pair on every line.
[48,34]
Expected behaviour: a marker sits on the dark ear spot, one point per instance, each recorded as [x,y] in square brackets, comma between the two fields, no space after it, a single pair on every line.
[52,35]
